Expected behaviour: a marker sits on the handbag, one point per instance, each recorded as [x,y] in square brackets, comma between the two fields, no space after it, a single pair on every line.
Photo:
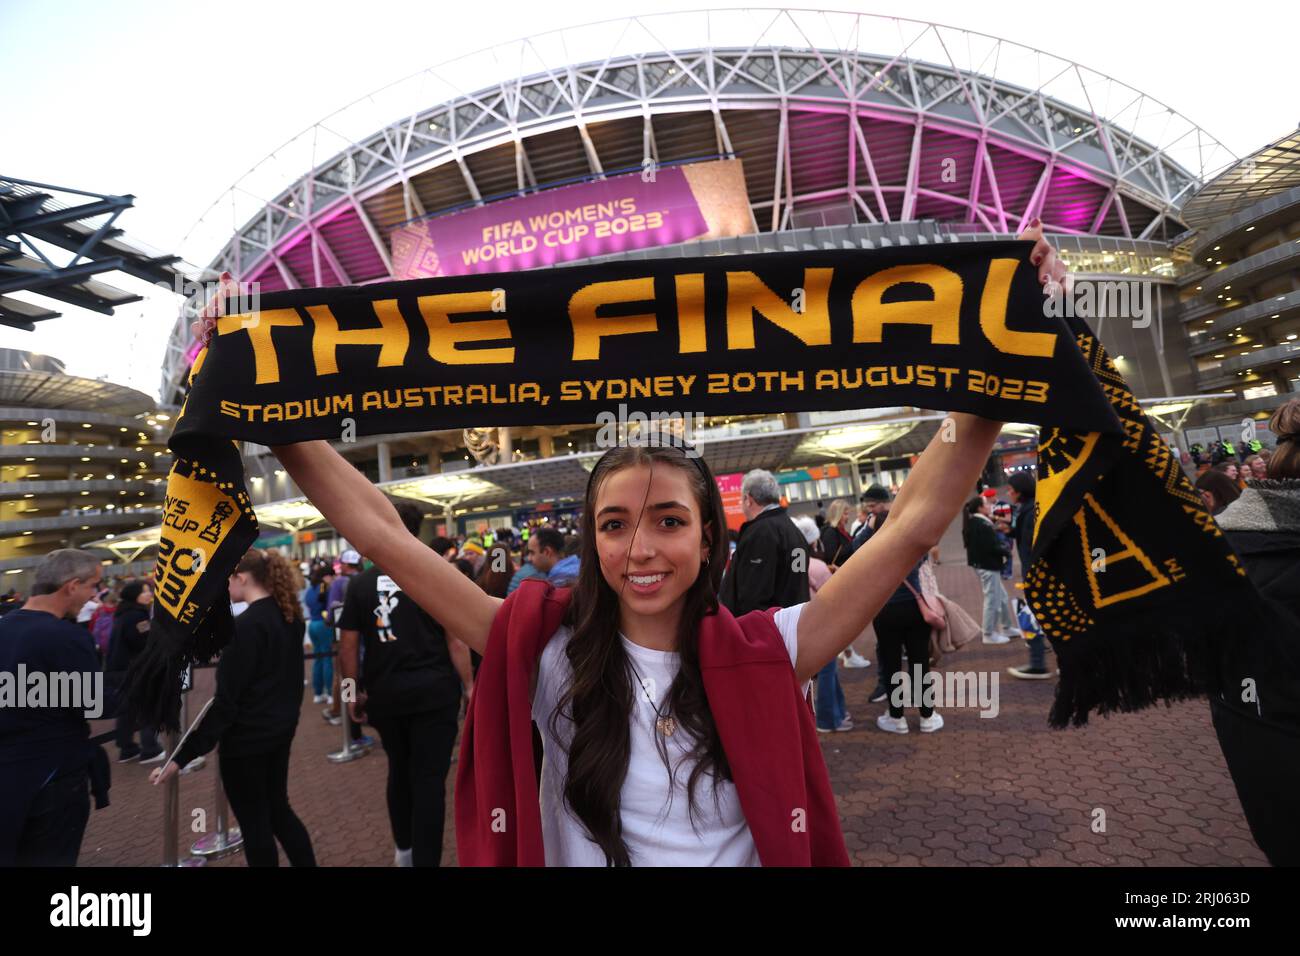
[934,616]
[962,628]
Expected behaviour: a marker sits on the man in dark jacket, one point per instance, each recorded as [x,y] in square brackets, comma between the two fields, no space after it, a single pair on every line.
[876,502]
[47,763]
[770,566]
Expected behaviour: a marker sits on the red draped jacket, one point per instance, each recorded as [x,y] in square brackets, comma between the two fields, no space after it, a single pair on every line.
[764,722]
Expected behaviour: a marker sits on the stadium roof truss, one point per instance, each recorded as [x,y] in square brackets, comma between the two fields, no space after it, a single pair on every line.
[898,119]
[36,219]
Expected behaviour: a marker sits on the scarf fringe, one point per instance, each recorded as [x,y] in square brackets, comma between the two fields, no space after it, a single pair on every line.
[154,682]
[1166,655]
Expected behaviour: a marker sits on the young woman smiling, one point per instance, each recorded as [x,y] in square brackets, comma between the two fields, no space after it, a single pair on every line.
[673,733]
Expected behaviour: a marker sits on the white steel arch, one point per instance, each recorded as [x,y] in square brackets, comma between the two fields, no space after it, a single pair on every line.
[981,91]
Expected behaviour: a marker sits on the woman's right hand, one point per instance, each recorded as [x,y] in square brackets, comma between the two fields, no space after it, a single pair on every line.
[206,323]
[1052,273]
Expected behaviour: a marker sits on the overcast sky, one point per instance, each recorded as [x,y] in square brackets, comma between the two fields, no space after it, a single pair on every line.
[173,102]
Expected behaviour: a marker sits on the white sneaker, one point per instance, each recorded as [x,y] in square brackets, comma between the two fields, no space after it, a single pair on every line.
[932,723]
[318,699]
[402,858]
[853,659]
[996,639]
[329,699]
[893,725]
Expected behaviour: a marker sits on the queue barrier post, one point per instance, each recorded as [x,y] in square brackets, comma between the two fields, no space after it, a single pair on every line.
[225,839]
[351,749]
[172,801]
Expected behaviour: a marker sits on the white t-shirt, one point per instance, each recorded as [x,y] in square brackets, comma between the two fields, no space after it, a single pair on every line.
[658,832]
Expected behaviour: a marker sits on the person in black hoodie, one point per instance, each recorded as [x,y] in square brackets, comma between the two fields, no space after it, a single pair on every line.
[127,642]
[254,713]
[1256,704]
[770,566]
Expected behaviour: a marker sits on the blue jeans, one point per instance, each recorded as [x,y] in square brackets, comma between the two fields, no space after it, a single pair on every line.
[831,706]
[322,668]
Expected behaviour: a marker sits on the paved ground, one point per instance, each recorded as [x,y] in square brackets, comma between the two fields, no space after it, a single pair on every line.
[1002,791]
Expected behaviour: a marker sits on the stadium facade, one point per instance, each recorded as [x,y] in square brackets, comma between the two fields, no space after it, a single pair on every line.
[847,131]
[80,460]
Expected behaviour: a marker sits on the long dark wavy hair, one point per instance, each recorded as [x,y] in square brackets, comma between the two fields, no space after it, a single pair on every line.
[599,699]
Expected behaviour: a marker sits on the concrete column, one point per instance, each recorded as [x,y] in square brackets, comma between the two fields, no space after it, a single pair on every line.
[545,446]
[505,445]
[385,462]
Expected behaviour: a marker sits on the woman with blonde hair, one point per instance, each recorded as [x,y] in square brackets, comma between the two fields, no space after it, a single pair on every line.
[837,543]
[254,712]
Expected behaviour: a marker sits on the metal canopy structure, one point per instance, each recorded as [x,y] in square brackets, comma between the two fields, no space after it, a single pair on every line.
[563,478]
[1266,172]
[29,381]
[1172,412]
[838,117]
[37,218]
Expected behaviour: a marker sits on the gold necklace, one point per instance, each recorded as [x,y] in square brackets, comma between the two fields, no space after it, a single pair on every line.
[664,722]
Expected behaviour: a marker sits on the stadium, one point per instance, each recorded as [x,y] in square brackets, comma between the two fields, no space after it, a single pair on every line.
[794,129]
[702,133]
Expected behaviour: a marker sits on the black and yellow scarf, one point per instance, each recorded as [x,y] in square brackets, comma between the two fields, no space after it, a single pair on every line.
[1126,559]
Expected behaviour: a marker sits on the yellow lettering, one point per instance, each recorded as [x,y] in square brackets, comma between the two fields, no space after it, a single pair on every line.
[993,315]
[691,336]
[941,312]
[445,335]
[391,336]
[589,328]
[747,294]
[266,366]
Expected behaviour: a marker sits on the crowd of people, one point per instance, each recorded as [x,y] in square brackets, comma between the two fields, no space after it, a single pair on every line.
[411,675]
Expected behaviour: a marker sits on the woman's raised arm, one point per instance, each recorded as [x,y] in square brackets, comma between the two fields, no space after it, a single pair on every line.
[944,477]
[930,498]
[361,513]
